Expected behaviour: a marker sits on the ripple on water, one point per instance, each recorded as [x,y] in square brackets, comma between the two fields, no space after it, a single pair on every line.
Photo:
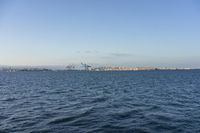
[99,100]
[9,99]
[2,131]
[71,117]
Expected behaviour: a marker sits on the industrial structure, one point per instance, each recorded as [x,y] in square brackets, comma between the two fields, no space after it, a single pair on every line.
[86,67]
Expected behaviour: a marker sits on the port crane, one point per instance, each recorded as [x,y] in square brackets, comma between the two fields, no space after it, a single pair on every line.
[86,67]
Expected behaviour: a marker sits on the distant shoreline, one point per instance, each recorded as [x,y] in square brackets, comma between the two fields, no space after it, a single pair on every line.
[47,70]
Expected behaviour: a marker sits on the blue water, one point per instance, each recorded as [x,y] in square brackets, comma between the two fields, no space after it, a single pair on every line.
[100,102]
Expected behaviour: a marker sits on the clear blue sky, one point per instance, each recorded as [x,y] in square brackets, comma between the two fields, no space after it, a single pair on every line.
[112,32]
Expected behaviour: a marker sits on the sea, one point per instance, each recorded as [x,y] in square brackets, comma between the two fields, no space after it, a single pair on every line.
[100,102]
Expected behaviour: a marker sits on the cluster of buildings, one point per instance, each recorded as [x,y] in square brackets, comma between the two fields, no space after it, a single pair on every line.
[86,67]
[121,68]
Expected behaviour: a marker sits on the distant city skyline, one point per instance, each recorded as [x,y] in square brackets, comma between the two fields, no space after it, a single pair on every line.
[100,32]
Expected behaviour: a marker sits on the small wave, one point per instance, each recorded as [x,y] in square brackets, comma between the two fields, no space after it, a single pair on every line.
[163,117]
[110,126]
[99,99]
[63,120]
[10,99]
[3,117]
[71,118]
[41,131]
[125,114]
[2,131]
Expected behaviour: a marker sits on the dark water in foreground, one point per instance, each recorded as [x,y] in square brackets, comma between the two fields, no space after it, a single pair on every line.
[100,102]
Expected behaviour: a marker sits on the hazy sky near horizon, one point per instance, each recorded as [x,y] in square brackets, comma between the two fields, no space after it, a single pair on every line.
[104,32]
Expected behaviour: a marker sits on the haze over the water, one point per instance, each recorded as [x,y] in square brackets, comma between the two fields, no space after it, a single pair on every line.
[101,32]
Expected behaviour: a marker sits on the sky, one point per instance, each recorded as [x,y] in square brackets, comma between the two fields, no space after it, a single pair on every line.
[158,33]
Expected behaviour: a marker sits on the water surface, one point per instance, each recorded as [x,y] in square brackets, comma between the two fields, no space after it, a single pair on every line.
[100,102]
